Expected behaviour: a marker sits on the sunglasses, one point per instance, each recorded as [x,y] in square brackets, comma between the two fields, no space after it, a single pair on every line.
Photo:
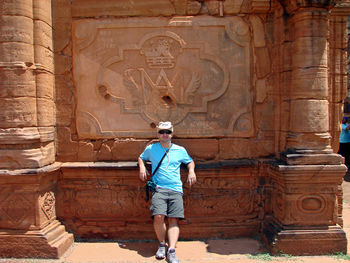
[165,131]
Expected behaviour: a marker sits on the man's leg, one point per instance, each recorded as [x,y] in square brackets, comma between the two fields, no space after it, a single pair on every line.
[173,231]
[159,227]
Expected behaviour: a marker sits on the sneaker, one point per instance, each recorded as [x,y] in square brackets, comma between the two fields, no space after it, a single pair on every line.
[172,258]
[161,251]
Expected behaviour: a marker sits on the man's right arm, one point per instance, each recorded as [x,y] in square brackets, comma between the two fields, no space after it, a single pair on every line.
[143,171]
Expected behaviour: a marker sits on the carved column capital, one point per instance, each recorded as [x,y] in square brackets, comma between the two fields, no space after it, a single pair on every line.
[290,6]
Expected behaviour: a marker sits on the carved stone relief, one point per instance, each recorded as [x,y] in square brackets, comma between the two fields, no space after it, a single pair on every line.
[132,73]
[14,209]
[47,204]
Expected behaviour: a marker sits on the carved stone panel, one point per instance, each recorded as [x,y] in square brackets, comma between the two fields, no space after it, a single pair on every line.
[194,71]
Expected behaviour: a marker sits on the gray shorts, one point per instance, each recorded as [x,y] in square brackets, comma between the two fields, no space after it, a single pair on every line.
[167,202]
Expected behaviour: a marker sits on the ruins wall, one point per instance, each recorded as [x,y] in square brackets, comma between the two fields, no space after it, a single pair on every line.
[254,90]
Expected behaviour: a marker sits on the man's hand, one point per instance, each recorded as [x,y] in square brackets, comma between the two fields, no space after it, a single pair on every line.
[143,174]
[143,171]
[191,179]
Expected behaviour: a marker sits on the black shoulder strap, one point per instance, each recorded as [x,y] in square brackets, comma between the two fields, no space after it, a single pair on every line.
[161,160]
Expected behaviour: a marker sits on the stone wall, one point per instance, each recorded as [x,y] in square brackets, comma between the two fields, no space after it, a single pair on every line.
[215,97]
[255,91]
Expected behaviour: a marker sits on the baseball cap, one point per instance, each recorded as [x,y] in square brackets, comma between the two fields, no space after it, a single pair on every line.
[165,126]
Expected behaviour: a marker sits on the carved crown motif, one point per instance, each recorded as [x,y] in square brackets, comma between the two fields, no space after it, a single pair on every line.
[160,52]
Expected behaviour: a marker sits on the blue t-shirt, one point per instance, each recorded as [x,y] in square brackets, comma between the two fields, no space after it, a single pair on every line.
[345,134]
[168,174]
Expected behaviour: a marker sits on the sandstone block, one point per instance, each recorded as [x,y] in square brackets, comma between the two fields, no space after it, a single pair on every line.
[193,7]
[128,150]
[17,8]
[42,11]
[339,61]
[46,112]
[43,34]
[263,62]
[17,83]
[233,6]
[258,31]
[18,112]
[64,114]
[310,52]
[310,23]
[64,90]
[309,83]
[16,29]
[86,152]
[27,158]
[44,85]
[17,51]
[240,148]
[63,64]
[64,143]
[83,8]
[44,58]
[104,153]
[309,116]
[200,149]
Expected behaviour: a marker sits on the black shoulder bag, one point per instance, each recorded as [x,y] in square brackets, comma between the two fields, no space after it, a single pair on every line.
[150,185]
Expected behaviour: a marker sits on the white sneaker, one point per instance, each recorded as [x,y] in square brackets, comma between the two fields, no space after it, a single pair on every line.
[161,251]
[172,256]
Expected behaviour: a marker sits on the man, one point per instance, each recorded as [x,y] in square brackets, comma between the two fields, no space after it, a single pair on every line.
[167,199]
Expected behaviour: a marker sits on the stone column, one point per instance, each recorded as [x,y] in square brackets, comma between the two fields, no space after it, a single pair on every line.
[304,184]
[28,172]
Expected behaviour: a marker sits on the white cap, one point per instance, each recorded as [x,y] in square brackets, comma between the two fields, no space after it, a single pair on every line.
[165,126]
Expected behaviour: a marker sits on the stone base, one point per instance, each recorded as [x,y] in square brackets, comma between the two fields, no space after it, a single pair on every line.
[50,242]
[302,241]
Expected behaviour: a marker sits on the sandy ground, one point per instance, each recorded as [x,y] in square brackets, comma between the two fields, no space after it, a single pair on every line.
[243,250]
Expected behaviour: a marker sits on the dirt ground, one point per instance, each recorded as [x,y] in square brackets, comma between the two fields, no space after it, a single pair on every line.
[243,250]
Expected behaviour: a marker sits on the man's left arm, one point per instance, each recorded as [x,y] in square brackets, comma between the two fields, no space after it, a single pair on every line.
[191,179]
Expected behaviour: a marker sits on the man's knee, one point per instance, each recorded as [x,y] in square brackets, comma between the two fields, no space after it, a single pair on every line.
[158,219]
[173,221]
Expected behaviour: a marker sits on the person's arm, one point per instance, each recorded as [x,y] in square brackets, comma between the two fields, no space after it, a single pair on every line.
[143,171]
[191,179]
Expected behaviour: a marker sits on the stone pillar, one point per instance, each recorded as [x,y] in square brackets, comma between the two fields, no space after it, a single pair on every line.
[304,184]
[28,175]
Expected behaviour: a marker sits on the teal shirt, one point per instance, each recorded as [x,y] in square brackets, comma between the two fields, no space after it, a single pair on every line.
[345,134]
[168,174]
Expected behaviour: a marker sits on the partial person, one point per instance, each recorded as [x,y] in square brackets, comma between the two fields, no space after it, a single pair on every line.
[167,202]
[344,141]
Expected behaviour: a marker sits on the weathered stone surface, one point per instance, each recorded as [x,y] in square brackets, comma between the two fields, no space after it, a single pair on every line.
[200,149]
[28,214]
[295,203]
[90,8]
[256,83]
[43,34]
[17,112]
[159,84]
[233,148]
[16,29]
[224,195]
[17,82]
[16,51]
[17,7]
[309,116]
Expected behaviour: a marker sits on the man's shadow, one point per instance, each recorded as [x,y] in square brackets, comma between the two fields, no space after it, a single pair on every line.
[144,249]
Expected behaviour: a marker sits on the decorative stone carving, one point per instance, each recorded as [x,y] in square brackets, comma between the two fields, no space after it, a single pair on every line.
[14,209]
[47,204]
[108,203]
[163,72]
